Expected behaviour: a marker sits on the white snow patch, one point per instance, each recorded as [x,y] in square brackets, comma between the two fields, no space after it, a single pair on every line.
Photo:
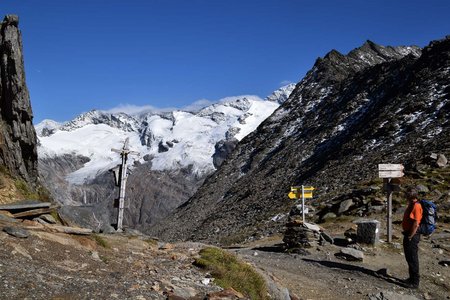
[92,141]
[189,137]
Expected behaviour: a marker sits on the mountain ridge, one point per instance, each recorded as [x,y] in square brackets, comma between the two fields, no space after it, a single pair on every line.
[341,120]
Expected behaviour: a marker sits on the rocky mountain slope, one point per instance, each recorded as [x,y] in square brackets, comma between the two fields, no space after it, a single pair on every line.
[178,149]
[41,260]
[18,153]
[351,112]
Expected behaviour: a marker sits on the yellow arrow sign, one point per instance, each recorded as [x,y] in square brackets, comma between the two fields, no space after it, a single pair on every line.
[293,195]
[305,188]
[306,195]
[298,195]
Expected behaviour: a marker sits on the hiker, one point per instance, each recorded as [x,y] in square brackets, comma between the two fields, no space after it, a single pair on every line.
[411,220]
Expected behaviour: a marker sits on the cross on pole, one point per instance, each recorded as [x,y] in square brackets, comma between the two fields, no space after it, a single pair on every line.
[124,152]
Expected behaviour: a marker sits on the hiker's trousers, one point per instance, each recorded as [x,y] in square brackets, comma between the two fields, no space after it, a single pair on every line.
[411,249]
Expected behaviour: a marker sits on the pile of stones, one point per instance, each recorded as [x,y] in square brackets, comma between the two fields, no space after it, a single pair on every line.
[301,235]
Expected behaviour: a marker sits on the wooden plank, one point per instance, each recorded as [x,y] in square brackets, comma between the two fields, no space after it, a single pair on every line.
[70,230]
[33,212]
[390,174]
[22,206]
[390,167]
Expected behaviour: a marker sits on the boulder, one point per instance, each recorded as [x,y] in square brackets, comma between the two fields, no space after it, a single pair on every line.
[328,216]
[441,161]
[227,294]
[108,229]
[422,188]
[350,254]
[8,217]
[345,205]
[86,217]
[16,231]
[48,218]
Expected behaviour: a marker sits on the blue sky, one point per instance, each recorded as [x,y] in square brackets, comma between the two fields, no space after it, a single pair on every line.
[101,54]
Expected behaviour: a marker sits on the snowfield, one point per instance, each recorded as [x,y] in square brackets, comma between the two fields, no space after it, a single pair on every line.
[171,140]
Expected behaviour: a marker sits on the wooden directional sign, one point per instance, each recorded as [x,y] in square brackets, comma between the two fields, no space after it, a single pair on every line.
[390,170]
[391,167]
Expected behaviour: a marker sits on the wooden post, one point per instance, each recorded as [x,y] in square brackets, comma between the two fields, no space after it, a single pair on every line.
[387,172]
[389,211]
[123,181]
[122,187]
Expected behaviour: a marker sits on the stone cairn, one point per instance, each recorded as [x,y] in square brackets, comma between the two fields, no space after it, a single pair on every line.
[299,235]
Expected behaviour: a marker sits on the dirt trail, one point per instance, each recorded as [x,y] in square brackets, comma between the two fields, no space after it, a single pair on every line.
[321,275]
[52,265]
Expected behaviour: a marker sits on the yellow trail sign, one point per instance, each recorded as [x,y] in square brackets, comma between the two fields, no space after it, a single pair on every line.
[296,192]
[293,195]
[299,188]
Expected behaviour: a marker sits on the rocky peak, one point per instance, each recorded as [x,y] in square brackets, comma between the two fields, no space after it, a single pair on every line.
[335,66]
[18,151]
[117,120]
[282,94]
[350,112]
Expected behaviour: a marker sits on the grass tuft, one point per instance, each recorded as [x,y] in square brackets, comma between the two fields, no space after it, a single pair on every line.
[25,190]
[229,271]
[100,241]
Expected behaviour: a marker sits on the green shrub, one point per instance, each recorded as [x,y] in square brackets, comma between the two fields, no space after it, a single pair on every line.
[229,271]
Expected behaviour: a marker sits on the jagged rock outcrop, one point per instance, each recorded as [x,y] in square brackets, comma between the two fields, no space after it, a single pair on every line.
[18,151]
[376,104]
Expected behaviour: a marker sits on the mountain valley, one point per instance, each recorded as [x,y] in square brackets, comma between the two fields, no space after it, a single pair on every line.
[207,211]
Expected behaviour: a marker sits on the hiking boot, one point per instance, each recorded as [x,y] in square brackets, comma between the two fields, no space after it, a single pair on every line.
[411,285]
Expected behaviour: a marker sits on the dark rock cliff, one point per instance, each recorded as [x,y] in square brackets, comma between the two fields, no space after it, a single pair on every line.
[18,151]
[350,112]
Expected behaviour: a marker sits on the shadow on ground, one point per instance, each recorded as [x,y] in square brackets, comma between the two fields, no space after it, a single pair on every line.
[277,248]
[381,274]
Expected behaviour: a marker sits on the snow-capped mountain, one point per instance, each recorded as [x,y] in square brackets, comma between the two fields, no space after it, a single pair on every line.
[282,94]
[170,140]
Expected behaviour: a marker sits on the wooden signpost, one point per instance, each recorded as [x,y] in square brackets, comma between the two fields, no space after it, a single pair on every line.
[120,177]
[303,192]
[388,172]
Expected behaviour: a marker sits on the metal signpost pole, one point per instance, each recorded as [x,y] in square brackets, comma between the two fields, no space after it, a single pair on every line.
[389,212]
[303,203]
